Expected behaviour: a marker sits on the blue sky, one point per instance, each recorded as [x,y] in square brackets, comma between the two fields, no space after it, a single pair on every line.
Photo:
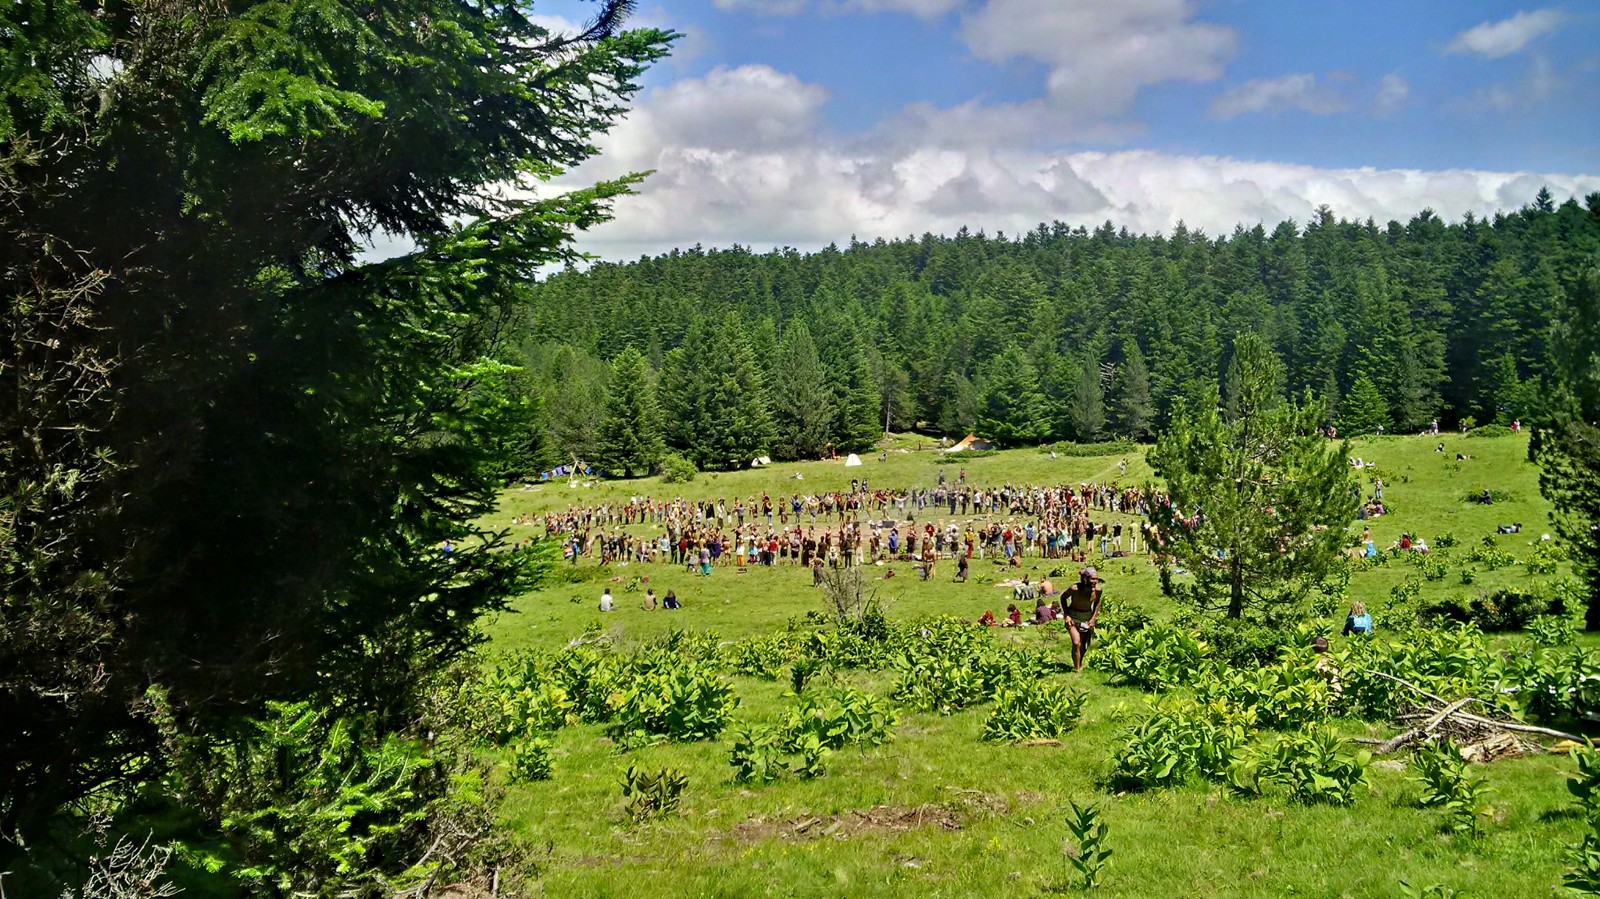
[800,122]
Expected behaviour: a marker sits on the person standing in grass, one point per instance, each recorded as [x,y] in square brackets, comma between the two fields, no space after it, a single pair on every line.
[1082,602]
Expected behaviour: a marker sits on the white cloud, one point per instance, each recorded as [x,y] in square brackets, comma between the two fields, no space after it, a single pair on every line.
[1503,38]
[1272,95]
[1392,94]
[739,160]
[1100,54]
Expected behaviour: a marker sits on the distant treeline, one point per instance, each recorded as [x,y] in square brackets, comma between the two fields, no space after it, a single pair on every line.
[1060,334]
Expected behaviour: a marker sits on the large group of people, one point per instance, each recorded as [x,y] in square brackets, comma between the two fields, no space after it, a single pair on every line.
[855,527]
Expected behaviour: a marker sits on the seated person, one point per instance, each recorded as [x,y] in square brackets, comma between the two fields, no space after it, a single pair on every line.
[988,619]
[1358,621]
[671,601]
[649,604]
[1046,588]
[1013,616]
[1044,613]
[607,603]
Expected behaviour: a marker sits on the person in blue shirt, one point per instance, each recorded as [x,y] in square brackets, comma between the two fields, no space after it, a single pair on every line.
[1358,622]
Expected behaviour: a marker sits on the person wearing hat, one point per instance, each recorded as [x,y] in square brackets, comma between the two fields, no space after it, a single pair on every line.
[1082,602]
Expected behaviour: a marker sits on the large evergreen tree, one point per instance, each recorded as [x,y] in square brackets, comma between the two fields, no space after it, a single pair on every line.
[1011,408]
[1258,502]
[265,440]
[802,400]
[1135,413]
[1568,450]
[630,439]
[1088,409]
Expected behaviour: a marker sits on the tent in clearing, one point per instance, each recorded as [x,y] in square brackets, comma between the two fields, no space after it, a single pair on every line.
[971,442]
[852,459]
[759,461]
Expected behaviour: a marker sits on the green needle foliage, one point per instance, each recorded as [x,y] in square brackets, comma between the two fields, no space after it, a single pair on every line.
[233,452]
[1259,500]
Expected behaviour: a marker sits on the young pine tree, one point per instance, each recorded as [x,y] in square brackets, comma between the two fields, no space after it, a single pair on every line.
[1135,412]
[1258,499]
[1364,410]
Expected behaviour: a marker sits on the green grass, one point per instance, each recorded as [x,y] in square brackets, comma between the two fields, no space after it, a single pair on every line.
[729,839]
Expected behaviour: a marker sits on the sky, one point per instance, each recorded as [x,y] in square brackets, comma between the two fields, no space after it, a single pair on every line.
[799,123]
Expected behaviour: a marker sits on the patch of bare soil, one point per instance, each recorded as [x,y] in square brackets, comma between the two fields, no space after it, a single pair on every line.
[881,818]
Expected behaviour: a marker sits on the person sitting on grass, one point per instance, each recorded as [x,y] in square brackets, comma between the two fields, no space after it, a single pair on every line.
[649,604]
[1358,621]
[607,603]
[1044,613]
[988,619]
[1013,616]
[670,602]
[1082,602]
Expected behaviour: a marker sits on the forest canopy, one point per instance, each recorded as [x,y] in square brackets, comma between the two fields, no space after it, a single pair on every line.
[1066,333]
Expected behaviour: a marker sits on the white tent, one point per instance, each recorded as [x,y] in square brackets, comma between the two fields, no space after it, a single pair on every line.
[759,461]
[852,459]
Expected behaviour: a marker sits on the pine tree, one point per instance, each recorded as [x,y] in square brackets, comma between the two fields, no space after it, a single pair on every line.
[1363,411]
[803,408]
[856,423]
[1088,408]
[1258,501]
[1131,389]
[1011,407]
[630,433]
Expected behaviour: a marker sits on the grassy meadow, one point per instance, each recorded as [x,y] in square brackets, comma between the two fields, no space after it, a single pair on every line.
[936,811]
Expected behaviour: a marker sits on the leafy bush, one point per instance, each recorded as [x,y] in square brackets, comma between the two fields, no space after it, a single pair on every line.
[1442,774]
[527,697]
[1156,658]
[1490,431]
[1582,876]
[1176,741]
[589,675]
[837,718]
[762,657]
[1455,661]
[1316,767]
[1287,695]
[1552,630]
[652,794]
[1029,710]
[669,697]
[1108,448]
[1243,642]
[530,759]
[1506,610]
[675,469]
[1445,540]
[1547,556]
[1490,556]
[943,685]
[755,756]
[1552,684]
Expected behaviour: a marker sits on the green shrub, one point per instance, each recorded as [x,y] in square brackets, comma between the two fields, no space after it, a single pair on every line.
[761,657]
[1553,684]
[1490,556]
[1546,558]
[1030,710]
[530,759]
[837,718]
[1284,696]
[589,675]
[755,756]
[668,697]
[1552,630]
[1490,431]
[942,685]
[1316,767]
[1178,740]
[1243,642]
[1582,876]
[1445,540]
[1156,658]
[675,469]
[1442,775]
[652,794]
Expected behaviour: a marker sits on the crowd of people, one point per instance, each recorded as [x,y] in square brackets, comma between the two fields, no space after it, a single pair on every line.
[855,527]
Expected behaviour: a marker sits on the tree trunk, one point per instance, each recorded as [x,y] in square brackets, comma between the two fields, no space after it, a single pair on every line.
[1236,588]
